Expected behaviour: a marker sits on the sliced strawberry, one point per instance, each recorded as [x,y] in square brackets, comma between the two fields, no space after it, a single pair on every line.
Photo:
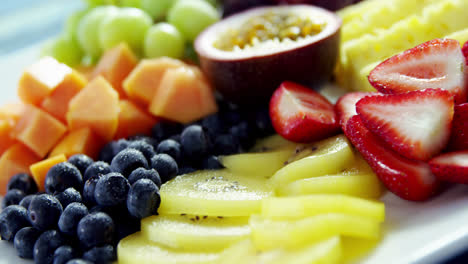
[459,133]
[345,107]
[409,179]
[452,167]
[300,114]
[438,63]
[415,124]
[465,52]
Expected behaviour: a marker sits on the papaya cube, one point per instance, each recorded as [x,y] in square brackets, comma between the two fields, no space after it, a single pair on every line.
[96,107]
[183,95]
[82,140]
[38,130]
[133,120]
[39,169]
[43,77]
[12,111]
[142,82]
[115,65]
[6,139]
[16,159]
[85,70]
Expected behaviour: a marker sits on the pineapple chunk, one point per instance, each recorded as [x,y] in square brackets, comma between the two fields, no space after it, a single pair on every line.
[268,234]
[355,248]
[461,36]
[213,193]
[195,233]
[273,142]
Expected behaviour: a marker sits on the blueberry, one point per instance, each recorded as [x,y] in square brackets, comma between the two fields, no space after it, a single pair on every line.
[111,149]
[103,254]
[146,149]
[143,199]
[111,189]
[211,163]
[175,137]
[142,173]
[171,148]
[44,211]
[226,145]
[165,129]
[70,195]
[243,132]
[70,218]
[95,229]
[97,168]
[88,189]
[152,141]
[79,261]
[12,219]
[23,182]
[165,165]
[81,162]
[127,161]
[64,253]
[214,124]
[232,117]
[25,240]
[27,200]
[186,170]
[13,196]
[62,176]
[195,142]
[46,245]
[263,122]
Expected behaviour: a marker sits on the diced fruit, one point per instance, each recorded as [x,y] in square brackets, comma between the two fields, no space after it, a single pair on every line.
[15,160]
[39,169]
[300,114]
[43,77]
[293,208]
[213,193]
[6,140]
[195,233]
[79,141]
[269,234]
[133,120]
[438,63]
[459,135]
[143,81]
[409,179]
[415,124]
[97,107]
[329,156]
[183,95]
[355,249]
[136,249]
[345,107]
[38,130]
[115,65]
[12,111]
[452,166]
[274,142]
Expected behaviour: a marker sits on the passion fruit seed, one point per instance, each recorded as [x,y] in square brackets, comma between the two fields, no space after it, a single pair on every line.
[269,26]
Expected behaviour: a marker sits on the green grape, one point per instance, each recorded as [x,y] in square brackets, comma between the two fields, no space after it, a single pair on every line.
[163,39]
[128,25]
[88,29]
[64,50]
[71,25]
[94,3]
[157,8]
[192,16]
[130,3]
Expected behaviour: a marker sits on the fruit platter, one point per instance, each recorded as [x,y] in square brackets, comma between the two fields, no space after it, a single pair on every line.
[235,131]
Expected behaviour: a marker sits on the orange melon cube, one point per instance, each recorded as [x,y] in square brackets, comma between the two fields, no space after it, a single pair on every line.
[78,141]
[183,95]
[38,130]
[16,159]
[115,65]
[42,78]
[12,111]
[142,82]
[6,139]
[39,169]
[96,107]
[85,70]
[133,120]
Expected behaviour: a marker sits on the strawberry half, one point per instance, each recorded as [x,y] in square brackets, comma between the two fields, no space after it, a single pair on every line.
[301,114]
[345,107]
[465,52]
[409,179]
[438,63]
[452,167]
[415,124]
[459,134]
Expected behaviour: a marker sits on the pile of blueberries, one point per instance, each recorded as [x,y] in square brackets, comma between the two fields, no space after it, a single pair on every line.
[88,206]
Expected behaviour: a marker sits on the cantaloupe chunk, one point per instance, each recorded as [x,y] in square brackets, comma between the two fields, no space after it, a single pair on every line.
[39,169]
[38,130]
[15,160]
[12,111]
[56,103]
[133,120]
[82,140]
[115,65]
[42,78]
[183,95]
[142,82]
[96,107]
[6,140]
[85,70]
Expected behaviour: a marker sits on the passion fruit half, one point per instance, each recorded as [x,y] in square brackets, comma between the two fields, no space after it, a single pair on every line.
[248,55]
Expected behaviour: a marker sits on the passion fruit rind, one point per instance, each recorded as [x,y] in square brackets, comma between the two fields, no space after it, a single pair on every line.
[250,75]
